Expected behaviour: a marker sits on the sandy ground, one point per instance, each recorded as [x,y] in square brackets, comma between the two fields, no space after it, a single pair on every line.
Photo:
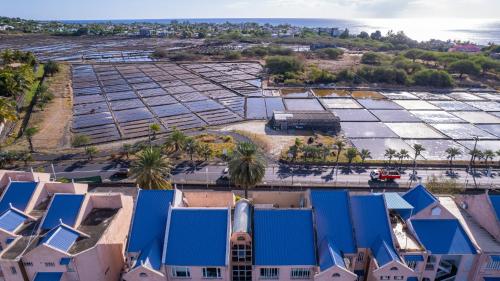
[54,121]
[276,141]
[347,61]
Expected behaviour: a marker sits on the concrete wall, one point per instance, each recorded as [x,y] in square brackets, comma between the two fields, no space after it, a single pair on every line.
[393,269]
[427,213]
[41,255]
[284,272]
[335,273]
[150,275]
[101,263]
[482,212]
[286,199]
[5,266]
[217,199]
[58,187]
[197,273]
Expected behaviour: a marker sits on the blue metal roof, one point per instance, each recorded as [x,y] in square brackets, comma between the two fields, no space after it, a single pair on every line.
[18,194]
[11,220]
[333,226]
[65,208]
[61,237]
[443,237]
[495,202]
[491,278]
[150,218]
[413,258]
[283,237]
[384,253]
[197,237]
[329,256]
[370,220]
[419,197]
[151,255]
[48,276]
[394,201]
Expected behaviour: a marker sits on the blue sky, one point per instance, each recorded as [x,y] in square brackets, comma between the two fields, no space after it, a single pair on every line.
[154,9]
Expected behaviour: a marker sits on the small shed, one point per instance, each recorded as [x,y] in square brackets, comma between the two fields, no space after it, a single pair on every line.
[312,120]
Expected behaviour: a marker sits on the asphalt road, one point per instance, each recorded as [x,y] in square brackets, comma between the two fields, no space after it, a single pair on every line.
[276,175]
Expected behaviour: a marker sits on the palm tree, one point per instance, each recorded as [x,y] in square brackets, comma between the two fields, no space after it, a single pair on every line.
[365,154]
[7,56]
[90,151]
[295,149]
[8,110]
[402,155]
[325,151]
[339,145]
[51,68]
[29,133]
[26,157]
[498,154]
[176,141]
[8,85]
[191,146]
[155,128]
[151,169]
[350,154]
[475,154]
[488,154]
[390,153]
[205,151]
[452,152]
[126,147]
[247,166]
[418,148]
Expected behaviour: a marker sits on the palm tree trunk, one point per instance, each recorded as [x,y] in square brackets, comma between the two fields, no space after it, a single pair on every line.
[246,191]
[31,145]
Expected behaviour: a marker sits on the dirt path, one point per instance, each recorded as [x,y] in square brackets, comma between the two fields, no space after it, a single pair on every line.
[274,142]
[54,121]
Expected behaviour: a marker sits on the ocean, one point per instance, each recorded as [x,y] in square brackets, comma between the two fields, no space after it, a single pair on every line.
[480,31]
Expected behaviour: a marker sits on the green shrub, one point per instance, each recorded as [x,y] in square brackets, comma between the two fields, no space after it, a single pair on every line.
[464,66]
[283,64]
[371,58]
[432,78]
[330,53]
[232,55]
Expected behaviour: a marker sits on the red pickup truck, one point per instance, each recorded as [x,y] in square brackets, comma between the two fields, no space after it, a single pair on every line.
[385,175]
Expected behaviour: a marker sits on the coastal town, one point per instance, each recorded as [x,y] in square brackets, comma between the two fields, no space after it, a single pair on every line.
[246,150]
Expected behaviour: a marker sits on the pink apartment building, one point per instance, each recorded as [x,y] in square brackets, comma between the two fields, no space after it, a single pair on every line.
[58,231]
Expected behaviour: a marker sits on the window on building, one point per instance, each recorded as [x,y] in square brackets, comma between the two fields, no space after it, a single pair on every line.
[385,277]
[269,273]
[436,211]
[28,263]
[411,264]
[181,272]
[431,262]
[143,275]
[361,257]
[300,273]
[394,268]
[493,264]
[241,253]
[399,277]
[242,273]
[13,270]
[49,264]
[336,275]
[211,272]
